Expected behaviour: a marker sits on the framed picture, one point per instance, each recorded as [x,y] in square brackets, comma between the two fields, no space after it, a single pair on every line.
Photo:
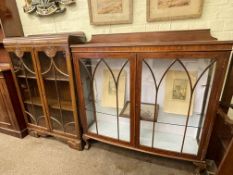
[147,111]
[103,12]
[160,10]
[177,92]
[109,89]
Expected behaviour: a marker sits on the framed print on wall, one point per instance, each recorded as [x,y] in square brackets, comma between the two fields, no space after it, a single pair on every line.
[109,89]
[161,10]
[103,12]
[177,92]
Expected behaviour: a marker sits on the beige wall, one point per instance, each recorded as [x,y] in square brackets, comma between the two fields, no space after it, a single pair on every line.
[217,15]
[230,113]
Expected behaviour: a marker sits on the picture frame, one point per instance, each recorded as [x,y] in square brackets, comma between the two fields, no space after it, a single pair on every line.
[162,10]
[147,111]
[178,92]
[105,12]
[109,89]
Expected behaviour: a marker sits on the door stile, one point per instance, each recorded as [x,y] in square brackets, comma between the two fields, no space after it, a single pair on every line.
[72,91]
[81,101]
[138,99]
[42,89]
[133,72]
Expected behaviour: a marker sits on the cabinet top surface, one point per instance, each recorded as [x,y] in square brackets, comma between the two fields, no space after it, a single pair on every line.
[155,39]
[32,40]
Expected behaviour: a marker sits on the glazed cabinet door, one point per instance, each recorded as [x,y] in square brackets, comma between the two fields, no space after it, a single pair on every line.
[105,83]
[25,73]
[177,99]
[55,72]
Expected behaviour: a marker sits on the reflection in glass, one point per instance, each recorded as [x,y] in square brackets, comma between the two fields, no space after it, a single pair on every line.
[106,92]
[177,92]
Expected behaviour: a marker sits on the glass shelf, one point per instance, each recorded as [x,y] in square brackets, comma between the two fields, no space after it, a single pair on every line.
[163,117]
[107,126]
[24,76]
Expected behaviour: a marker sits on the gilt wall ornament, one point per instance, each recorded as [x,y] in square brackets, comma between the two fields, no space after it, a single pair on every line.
[46,7]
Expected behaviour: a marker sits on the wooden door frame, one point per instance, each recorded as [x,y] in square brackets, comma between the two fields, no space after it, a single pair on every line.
[218,77]
[131,57]
[55,50]
[22,50]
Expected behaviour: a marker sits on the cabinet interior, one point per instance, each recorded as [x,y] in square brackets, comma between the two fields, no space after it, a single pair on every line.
[106,88]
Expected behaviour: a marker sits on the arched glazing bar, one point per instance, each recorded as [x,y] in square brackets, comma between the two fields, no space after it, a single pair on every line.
[25,68]
[55,74]
[192,93]
[192,86]
[116,80]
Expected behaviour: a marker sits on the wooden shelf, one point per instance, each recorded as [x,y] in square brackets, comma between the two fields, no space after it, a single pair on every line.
[36,101]
[65,105]
[47,78]
[28,77]
[56,79]
[5,67]
[1,35]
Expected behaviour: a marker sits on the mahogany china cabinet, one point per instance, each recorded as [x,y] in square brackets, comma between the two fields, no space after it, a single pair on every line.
[154,92]
[44,78]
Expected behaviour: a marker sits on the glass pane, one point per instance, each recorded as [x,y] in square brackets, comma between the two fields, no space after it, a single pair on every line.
[107,97]
[57,88]
[172,100]
[26,77]
[204,69]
